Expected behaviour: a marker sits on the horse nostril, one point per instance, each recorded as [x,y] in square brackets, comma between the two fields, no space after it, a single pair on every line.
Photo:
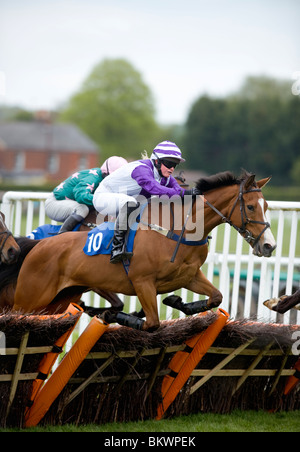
[268,248]
[13,253]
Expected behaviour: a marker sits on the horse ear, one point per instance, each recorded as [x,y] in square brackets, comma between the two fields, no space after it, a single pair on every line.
[261,183]
[249,182]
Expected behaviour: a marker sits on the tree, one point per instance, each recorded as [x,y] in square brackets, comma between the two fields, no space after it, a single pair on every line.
[115,108]
[256,129]
[204,134]
[263,87]
[295,171]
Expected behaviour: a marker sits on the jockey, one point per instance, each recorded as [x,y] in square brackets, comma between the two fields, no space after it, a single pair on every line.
[70,201]
[117,193]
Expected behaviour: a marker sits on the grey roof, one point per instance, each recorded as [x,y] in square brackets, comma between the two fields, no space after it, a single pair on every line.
[38,135]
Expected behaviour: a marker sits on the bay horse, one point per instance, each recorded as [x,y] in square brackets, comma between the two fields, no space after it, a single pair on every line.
[9,249]
[284,303]
[58,266]
[9,273]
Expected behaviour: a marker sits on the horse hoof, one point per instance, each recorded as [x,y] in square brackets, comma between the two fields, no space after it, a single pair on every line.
[174,302]
[108,316]
[271,303]
[151,329]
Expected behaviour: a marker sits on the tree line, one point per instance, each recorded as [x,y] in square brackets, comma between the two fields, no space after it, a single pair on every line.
[256,128]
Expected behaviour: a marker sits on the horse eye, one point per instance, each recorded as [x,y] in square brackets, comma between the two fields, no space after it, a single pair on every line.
[251,208]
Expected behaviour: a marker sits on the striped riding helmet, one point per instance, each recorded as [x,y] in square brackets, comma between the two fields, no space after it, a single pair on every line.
[167,150]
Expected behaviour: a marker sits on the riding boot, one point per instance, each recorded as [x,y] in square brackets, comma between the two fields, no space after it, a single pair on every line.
[70,223]
[119,252]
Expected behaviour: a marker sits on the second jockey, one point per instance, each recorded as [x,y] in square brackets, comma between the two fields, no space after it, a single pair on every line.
[71,200]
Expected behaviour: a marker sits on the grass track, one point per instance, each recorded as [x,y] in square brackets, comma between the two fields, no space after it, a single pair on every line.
[237,421]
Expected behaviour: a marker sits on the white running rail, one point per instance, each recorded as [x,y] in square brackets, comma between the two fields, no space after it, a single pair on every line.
[244,279]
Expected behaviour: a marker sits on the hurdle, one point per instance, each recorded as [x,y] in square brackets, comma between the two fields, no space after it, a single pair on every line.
[50,358]
[184,362]
[64,371]
[293,380]
[124,375]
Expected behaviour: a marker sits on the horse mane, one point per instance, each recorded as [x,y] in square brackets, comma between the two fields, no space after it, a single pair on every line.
[223,179]
[9,273]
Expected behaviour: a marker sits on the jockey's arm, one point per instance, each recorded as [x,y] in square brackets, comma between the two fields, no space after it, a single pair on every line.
[83,192]
[144,177]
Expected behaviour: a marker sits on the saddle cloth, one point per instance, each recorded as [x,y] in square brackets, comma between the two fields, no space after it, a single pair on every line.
[99,240]
[47,230]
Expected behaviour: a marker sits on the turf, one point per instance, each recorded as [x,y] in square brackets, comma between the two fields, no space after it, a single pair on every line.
[237,421]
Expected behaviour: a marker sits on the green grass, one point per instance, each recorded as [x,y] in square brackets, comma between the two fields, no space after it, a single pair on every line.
[237,421]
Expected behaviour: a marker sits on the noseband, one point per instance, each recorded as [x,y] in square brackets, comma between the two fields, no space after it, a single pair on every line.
[245,220]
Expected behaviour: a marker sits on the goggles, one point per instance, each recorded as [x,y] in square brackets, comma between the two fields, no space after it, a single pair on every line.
[168,163]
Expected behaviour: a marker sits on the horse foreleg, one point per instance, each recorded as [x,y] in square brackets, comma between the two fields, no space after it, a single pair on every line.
[284,303]
[201,285]
[272,303]
[191,308]
[116,304]
[146,293]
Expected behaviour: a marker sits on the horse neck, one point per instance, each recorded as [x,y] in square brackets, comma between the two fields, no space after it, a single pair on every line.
[164,213]
[173,216]
[222,199]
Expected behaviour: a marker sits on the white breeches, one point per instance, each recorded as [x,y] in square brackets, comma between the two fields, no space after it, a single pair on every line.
[61,210]
[108,203]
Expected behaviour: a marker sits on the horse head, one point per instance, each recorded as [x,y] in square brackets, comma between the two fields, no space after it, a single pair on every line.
[9,249]
[248,216]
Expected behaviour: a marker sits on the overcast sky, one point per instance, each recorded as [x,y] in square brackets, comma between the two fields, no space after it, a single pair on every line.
[182,48]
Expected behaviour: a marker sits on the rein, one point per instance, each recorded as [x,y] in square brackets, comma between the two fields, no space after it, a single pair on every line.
[183,230]
[170,234]
[248,236]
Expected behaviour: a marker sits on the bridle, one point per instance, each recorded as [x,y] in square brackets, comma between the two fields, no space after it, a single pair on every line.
[248,236]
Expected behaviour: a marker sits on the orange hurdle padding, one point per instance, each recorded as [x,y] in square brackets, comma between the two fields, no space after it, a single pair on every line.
[178,360]
[293,380]
[184,362]
[49,359]
[64,371]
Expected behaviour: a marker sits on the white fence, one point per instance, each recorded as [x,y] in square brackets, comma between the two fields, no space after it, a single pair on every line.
[244,279]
